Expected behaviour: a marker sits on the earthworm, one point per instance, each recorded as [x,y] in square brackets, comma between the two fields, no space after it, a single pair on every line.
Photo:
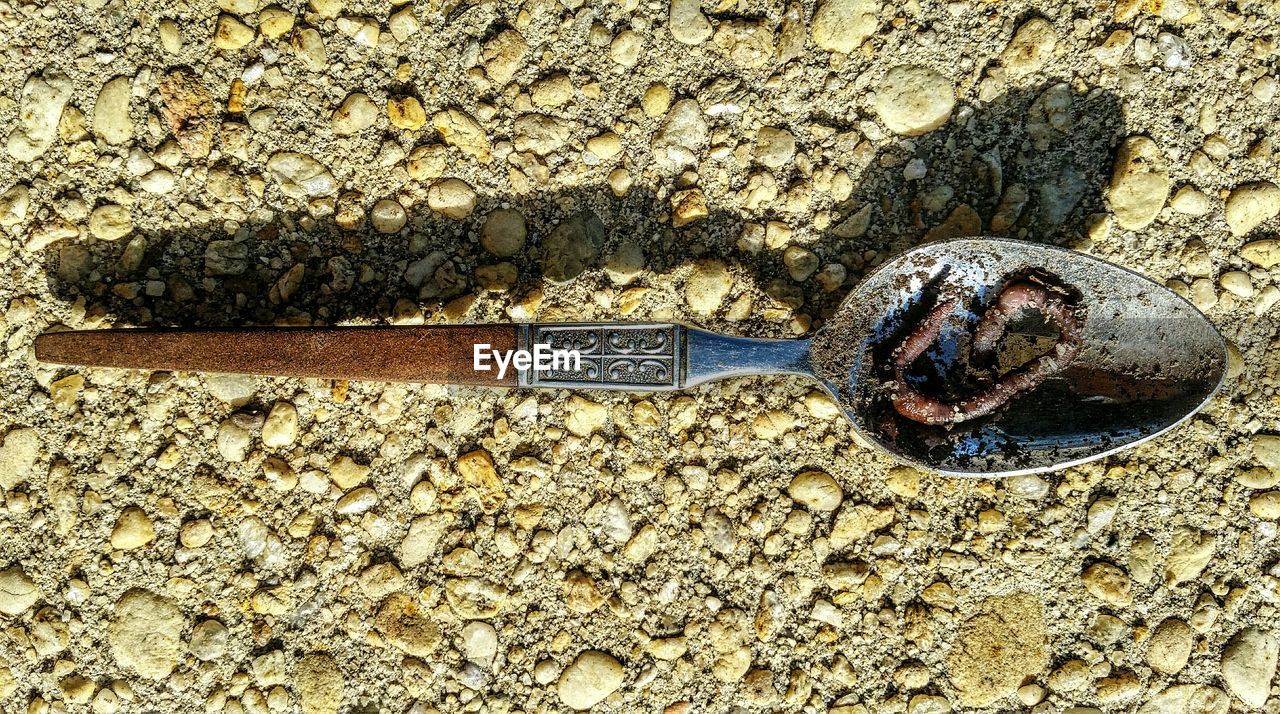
[907,401]
[1015,296]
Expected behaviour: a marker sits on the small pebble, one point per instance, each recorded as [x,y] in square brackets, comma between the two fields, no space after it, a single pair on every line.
[320,682]
[231,34]
[588,679]
[18,591]
[195,534]
[111,120]
[1108,583]
[453,198]
[364,31]
[1139,183]
[1250,205]
[275,22]
[687,207]
[404,24]
[43,98]
[816,490]
[14,204]
[459,129]
[1265,505]
[1238,283]
[605,146]
[110,222]
[683,135]
[406,113]
[133,529]
[388,216]
[347,474]
[503,232]
[551,92]
[357,113]
[774,147]
[18,453]
[1031,47]
[503,55]
[233,440]
[281,426]
[1191,202]
[687,23]
[300,176]
[357,501]
[801,263]
[626,48]
[144,633]
[1262,253]
[707,286]
[1249,664]
[913,100]
[209,640]
[843,25]
[1169,646]
[480,642]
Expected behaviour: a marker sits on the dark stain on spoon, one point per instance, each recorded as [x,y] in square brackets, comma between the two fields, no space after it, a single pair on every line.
[1141,359]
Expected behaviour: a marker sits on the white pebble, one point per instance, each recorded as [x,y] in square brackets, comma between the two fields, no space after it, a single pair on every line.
[209,640]
[388,216]
[816,490]
[1237,282]
[913,100]
[281,426]
[590,678]
[358,501]
[17,591]
[480,642]
[1029,486]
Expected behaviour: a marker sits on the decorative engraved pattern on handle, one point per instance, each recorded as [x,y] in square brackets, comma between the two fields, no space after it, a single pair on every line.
[643,371]
[643,342]
[584,341]
[614,356]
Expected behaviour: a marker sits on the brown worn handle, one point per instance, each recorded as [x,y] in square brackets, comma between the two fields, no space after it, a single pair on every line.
[437,354]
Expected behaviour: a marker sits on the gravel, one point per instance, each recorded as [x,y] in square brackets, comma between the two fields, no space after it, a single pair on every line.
[181,542]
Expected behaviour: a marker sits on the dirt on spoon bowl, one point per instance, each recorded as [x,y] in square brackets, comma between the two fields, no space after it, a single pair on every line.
[1145,359]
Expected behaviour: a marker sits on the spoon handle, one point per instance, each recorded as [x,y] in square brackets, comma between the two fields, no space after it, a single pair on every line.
[438,354]
[616,356]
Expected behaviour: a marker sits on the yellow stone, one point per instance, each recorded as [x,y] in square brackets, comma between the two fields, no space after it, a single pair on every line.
[236,95]
[347,474]
[904,481]
[1108,583]
[406,113]
[553,91]
[477,469]
[110,222]
[605,146]
[231,34]
[327,8]
[688,206]
[275,22]
[657,98]
[133,529]
[1262,253]
[66,391]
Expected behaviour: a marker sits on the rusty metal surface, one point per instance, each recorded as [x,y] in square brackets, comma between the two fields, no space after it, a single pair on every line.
[440,354]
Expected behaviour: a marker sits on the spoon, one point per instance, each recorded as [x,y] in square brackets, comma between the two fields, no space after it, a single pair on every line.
[1148,361]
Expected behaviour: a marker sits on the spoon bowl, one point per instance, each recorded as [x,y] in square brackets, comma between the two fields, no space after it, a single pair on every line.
[1149,359]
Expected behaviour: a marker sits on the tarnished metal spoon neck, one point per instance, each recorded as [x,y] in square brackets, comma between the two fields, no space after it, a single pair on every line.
[713,356]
